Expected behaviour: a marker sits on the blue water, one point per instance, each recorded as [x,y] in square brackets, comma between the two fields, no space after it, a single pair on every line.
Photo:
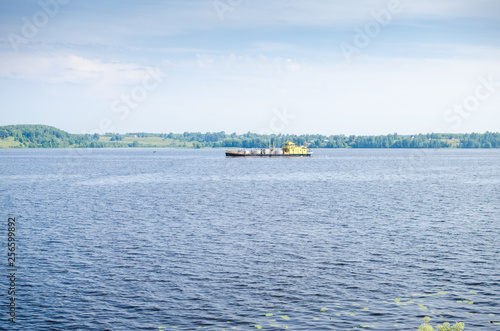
[126,239]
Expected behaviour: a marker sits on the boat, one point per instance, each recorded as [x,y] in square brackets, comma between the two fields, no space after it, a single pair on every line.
[289,149]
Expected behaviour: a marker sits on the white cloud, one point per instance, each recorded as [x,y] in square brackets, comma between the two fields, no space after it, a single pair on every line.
[69,69]
[376,96]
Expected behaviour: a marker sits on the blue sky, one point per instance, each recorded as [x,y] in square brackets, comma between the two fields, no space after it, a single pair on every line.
[238,66]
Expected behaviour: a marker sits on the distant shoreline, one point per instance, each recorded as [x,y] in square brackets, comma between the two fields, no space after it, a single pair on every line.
[43,136]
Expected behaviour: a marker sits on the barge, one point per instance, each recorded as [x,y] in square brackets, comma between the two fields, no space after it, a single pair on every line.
[289,149]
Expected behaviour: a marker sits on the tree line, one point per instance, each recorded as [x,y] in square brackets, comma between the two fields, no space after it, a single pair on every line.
[42,136]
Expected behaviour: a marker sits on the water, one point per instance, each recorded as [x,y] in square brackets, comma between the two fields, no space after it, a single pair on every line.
[124,239]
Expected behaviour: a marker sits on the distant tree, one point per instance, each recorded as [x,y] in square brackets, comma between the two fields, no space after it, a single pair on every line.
[4,133]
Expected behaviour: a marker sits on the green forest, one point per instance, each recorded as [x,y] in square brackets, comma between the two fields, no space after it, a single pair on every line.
[43,136]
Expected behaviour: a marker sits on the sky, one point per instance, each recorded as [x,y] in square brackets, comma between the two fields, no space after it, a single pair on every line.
[359,67]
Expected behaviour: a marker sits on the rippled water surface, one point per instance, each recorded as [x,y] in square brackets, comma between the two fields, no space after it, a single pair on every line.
[135,239]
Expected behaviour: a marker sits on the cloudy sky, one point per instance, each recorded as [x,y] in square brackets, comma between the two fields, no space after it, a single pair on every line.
[290,66]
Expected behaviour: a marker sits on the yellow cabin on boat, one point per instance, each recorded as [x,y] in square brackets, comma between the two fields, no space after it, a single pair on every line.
[290,148]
